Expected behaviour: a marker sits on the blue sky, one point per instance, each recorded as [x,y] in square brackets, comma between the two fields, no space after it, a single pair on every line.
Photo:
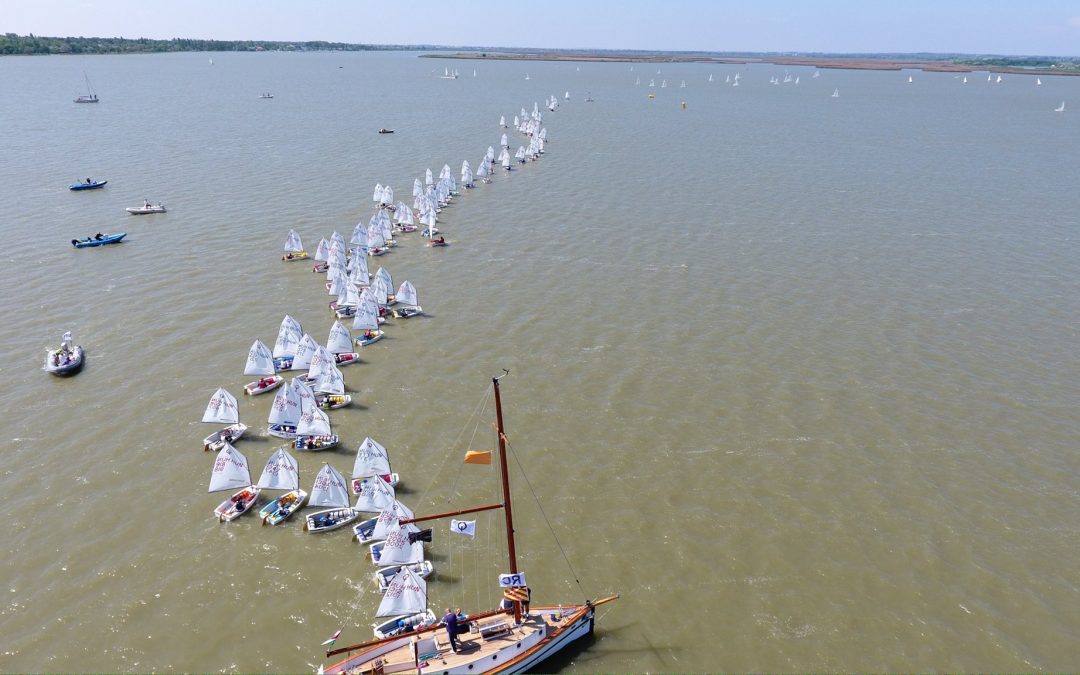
[1040,27]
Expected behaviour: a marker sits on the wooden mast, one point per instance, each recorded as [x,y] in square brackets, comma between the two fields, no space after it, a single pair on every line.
[503,467]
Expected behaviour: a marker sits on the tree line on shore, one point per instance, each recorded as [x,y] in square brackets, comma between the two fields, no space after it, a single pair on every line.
[11,43]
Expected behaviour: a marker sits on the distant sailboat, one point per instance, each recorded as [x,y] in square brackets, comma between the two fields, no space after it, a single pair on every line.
[526,76]
[817,74]
[998,80]
[1060,108]
[710,77]
[474,72]
[909,79]
[89,96]
[836,93]
[1038,81]
[638,81]
[965,79]
[211,61]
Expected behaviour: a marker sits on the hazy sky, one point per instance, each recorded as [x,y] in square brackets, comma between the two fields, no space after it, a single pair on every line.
[1034,27]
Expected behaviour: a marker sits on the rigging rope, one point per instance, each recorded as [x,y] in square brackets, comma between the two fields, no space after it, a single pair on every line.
[540,506]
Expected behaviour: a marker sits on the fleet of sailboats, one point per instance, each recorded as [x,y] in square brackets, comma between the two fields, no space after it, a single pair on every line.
[298,415]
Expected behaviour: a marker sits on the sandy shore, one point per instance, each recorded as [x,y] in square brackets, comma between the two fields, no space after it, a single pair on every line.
[815,62]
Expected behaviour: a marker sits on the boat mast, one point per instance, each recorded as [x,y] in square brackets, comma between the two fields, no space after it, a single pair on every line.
[512,552]
[503,467]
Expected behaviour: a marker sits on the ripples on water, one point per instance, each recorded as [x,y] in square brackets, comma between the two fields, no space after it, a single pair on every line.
[796,375]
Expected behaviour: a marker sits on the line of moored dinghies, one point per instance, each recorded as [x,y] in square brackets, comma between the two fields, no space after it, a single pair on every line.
[298,411]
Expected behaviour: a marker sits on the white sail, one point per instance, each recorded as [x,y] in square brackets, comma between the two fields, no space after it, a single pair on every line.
[379,291]
[371,460]
[329,489]
[378,193]
[331,381]
[406,594]
[340,340]
[406,294]
[222,408]
[399,550]
[338,281]
[359,275]
[367,313]
[320,361]
[305,350]
[281,472]
[322,251]
[285,408]
[428,179]
[304,395]
[288,338]
[389,520]
[314,422]
[504,142]
[349,298]
[417,187]
[359,235]
[375,238]
[259,360]
[502,121]
[230,470]
[293,244]
[375,496]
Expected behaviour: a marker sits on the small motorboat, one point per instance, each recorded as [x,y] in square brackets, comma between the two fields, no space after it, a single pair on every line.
[65,360]
[88,185]
[237,505]
[330,519]
[316,442]
[263,385]
[230,434]
[99,239]
[386,131]
[146,208]
[283,507]
[266,95]
[368,337]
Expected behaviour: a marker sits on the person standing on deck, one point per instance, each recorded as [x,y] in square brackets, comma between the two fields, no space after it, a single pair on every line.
[452,629]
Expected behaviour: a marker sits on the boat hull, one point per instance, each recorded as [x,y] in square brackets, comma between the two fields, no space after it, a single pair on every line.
[330,519]
[284,506]
[215,441]
[144,210]
[321,442]
[90,242]
[88,186]
[237,505]
[295,255]
[365,340]
[264,385]
[64,362]
[333,401]
[286,431]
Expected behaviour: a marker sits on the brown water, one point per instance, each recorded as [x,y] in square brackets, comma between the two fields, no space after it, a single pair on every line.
[796,375]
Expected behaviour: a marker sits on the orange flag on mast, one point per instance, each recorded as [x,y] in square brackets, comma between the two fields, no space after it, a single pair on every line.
[478,457]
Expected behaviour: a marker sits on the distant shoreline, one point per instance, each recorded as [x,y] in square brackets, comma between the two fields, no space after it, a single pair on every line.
[865,63]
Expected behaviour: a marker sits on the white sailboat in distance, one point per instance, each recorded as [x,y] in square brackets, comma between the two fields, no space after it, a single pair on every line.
[1060,108]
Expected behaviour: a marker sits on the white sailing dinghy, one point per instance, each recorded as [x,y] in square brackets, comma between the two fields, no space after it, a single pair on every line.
[376,529]
[261,362]
[339,343]
[371,460]
[288,339]
[222,410]
[518,638]
[284,413]
[229,473]
[405,601]
[294,247]
[330,390]
[367,319]
[330,490]
[407,305]
[402,546]
[313,431]
[285,475]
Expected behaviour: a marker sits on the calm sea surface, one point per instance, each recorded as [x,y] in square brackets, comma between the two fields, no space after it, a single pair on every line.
[796,375]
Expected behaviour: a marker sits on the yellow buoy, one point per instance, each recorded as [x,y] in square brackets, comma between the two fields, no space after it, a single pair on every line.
[652,96]
[684,105]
